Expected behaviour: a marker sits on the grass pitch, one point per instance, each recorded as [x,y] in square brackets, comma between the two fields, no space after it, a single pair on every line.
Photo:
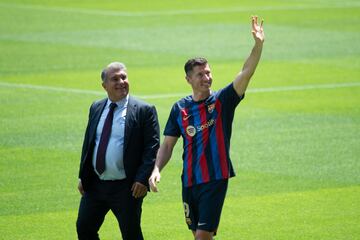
[295,144]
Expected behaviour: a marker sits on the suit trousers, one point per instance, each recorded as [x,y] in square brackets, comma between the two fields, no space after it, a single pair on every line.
[103,196]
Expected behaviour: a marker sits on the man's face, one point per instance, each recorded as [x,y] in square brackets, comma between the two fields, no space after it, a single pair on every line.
[200,78]
[116,85]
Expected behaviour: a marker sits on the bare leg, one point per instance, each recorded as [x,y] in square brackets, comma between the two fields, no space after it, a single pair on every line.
[203,235]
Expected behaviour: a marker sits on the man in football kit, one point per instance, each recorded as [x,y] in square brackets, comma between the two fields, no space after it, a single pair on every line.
[204,120]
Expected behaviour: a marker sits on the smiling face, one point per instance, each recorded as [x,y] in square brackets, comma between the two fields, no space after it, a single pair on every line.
[200,79]
[116,84]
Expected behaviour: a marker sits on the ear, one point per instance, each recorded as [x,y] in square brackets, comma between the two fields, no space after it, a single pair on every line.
[103,85]
[187,78]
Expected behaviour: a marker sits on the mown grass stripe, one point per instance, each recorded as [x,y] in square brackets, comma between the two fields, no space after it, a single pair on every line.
[169,95]
[176,12]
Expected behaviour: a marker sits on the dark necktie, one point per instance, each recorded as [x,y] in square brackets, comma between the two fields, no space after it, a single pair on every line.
[104,140]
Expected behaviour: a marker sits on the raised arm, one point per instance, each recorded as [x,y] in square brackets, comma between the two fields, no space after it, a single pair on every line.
[242,79]
[162,158]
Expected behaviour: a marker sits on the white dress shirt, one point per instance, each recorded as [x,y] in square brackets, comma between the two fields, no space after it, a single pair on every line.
[114,162]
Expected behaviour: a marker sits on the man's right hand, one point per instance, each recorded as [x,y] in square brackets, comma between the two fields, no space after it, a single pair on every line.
[154,179]
[80,188]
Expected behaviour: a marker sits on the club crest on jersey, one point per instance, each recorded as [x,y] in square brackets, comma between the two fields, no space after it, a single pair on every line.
[211,107]
[190,130]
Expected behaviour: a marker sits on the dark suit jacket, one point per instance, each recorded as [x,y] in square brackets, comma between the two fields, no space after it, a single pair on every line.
[141,141]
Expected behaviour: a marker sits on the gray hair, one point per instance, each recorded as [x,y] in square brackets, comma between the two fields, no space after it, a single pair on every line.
[114,66]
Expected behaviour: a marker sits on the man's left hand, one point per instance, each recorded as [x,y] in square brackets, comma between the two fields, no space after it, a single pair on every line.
[257,30]
[138,190]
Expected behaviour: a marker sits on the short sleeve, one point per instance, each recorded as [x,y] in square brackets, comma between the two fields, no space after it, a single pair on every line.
[172,126]
[229,97]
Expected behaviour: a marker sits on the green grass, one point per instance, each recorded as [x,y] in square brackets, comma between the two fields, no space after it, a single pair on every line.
[296,153]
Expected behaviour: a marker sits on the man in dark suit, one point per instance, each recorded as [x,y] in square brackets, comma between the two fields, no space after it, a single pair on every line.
[118,155]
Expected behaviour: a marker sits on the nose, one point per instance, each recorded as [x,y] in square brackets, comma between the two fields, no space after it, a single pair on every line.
[120,81]
[207,77]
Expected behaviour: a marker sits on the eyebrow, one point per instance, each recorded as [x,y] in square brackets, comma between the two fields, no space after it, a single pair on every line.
[204,72]
[120,75]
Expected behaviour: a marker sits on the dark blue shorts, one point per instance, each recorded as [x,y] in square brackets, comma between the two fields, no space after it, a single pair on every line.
[203,204]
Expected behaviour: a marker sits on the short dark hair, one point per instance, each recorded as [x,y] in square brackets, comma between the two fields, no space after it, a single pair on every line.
[193,62]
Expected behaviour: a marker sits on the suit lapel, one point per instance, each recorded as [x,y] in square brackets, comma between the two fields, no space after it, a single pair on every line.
[130,120]
[95,118]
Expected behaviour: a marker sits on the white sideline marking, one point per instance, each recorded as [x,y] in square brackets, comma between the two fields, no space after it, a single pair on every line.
[169,95]
[49,88]
[174,12]
[304,87]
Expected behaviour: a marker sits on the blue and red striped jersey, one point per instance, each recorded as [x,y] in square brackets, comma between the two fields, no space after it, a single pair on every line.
[205,127]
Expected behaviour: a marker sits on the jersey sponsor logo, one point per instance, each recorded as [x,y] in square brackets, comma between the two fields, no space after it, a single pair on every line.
[191,130]
[206,125]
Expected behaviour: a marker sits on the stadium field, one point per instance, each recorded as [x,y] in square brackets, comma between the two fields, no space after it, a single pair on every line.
[296,136]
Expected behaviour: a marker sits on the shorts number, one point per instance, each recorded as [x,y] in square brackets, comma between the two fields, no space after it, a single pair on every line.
[186,209]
